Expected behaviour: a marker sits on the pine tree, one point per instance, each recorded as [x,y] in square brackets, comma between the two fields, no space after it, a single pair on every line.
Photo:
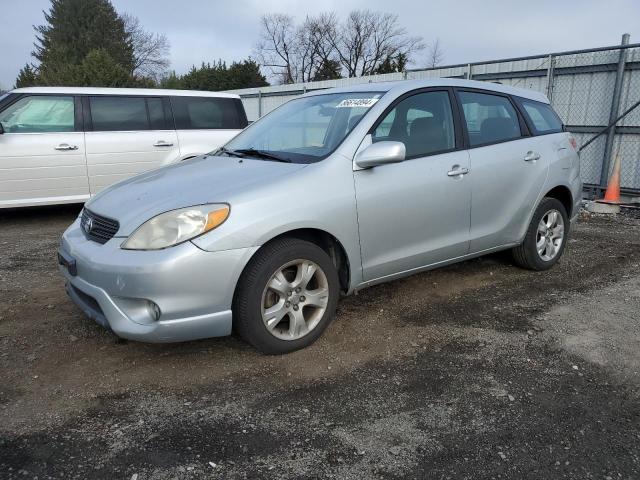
[83,43]
[218,76]
[244,74]
[76,27]
[328,70]
[27,77]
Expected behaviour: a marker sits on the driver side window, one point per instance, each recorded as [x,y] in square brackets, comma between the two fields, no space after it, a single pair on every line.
[39,114]
[423,122]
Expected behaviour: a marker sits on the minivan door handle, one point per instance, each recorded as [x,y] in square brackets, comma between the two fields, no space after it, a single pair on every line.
[162,143]
[457,171]
[66,146]
[531,156]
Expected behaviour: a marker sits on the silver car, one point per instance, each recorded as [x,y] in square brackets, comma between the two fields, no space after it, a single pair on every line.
[332,192]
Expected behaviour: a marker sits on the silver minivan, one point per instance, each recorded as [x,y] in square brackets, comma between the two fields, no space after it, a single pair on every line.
[62,145]
[330,193]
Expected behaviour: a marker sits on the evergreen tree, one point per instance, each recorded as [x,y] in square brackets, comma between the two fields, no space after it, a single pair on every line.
[393,64]
[328,70]
[76,27]
[245,74]
[218,76]
[27,77]
[83,43]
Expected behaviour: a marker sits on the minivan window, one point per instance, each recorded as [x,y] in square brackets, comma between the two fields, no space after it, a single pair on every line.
[207,113]
[489,118]
[39,114]
[112,114]
[542,117]
[306,129]
[156,113]
[423,122]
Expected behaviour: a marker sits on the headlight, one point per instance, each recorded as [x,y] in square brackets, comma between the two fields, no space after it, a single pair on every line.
[176,226]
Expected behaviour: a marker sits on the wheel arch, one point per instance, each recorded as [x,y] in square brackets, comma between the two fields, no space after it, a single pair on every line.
[327,242]
[563,194]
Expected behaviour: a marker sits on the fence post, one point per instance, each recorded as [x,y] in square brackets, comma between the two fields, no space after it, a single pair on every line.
[613,114]
[259,103]
[550,73]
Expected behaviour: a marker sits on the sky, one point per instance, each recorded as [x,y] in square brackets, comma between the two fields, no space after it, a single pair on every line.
[468,30]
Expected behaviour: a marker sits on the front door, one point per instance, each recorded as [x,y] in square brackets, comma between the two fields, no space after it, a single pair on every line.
[42,154]
[415,213]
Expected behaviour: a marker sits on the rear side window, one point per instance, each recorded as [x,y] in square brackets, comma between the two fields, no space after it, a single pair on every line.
[118,113]
[39,114]
[489,118]
[208,113]
[541,117]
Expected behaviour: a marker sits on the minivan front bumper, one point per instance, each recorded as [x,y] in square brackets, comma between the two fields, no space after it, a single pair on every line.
[176,294]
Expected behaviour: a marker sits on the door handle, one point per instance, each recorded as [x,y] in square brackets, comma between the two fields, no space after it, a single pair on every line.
[457,171]
[162,143]
[531,156]
[66,146]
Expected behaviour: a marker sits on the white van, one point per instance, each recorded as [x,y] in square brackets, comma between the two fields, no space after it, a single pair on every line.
[65,144]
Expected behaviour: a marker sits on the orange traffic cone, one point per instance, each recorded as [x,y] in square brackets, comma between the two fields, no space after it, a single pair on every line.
[612,195]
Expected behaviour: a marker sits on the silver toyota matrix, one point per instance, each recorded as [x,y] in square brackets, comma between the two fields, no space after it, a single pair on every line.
[330,193]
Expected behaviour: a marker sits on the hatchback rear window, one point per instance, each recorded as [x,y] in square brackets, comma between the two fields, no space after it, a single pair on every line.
[541,117]
[208,113]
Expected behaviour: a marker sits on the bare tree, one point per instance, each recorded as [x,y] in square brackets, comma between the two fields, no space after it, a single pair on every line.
[322,45]
[276,47]
[295,54]
[150,50]
[366,39]
[436,54]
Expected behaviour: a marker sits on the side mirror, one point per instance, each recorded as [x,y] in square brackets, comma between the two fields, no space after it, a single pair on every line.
[1,129]
[381,153]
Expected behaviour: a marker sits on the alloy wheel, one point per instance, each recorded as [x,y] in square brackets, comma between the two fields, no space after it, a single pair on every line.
[295,299]
[550,235]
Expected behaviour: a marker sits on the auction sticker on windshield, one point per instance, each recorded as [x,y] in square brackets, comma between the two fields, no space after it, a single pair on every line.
[357,102]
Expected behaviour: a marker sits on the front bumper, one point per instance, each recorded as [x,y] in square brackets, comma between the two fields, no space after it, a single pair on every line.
[190,289]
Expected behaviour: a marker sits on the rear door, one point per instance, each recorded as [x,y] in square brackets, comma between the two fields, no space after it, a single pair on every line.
[127,135]
[206,123]
[42,151]
[508,168]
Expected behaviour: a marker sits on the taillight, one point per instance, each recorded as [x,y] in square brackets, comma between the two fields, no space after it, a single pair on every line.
[573,143]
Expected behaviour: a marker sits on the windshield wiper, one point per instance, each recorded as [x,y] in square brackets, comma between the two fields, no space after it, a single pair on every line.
[252,152]
[231,153]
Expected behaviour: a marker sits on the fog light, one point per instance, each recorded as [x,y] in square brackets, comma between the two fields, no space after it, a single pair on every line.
[139,310]
[154,310]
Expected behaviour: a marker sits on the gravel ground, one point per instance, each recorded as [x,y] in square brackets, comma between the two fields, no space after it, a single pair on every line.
[478,370]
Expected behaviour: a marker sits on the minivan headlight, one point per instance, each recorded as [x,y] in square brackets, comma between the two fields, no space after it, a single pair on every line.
[176,226]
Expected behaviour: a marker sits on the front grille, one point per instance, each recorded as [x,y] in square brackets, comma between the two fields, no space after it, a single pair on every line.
[98,228]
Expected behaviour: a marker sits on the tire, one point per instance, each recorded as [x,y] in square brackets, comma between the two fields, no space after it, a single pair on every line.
[269,317]
[527,254]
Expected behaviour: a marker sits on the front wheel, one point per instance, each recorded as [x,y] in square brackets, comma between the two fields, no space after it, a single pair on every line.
[546,237]
[286,296]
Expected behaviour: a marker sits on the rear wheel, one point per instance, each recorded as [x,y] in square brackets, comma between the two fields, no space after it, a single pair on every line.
[286,296]
[546,236]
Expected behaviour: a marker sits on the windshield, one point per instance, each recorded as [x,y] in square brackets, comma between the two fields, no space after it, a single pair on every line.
[304,130]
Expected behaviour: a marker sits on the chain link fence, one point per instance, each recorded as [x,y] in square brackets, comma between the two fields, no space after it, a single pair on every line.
[589,89]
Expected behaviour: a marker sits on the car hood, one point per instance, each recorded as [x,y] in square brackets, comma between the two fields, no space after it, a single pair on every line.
[201,180]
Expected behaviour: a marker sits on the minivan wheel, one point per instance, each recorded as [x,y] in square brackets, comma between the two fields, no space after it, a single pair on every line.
[546,237]
[286,296]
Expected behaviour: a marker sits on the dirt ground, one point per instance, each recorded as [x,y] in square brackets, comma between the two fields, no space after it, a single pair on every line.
[479,370]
